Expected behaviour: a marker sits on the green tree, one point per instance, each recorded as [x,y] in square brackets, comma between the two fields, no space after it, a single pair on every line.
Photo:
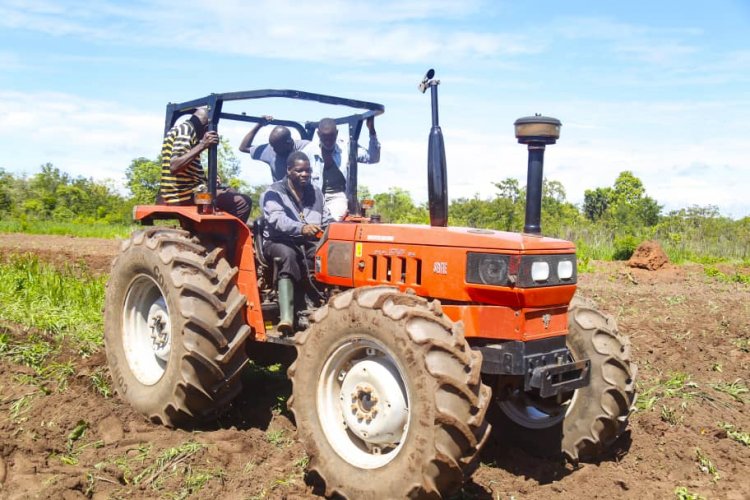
[625,205]
[43,187]
[142,179]
[509,188]
[397,206]
[7,203]
[596,202]
[629,204]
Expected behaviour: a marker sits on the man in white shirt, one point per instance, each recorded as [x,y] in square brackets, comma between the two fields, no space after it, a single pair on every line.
[328,158]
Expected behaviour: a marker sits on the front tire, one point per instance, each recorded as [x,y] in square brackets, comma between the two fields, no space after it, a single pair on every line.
[587,423]
[174,327]
[387,396]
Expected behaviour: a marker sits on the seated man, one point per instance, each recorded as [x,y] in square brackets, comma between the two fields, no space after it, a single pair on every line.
[275,153]
[330,169]
[182,172]
[295,216]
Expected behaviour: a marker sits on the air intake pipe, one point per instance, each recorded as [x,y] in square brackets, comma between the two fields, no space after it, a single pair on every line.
[437,181]
[536,131]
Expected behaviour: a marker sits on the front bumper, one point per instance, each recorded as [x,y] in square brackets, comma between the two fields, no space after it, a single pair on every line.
[545,365]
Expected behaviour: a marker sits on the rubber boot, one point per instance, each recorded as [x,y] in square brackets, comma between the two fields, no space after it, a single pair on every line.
[286,306]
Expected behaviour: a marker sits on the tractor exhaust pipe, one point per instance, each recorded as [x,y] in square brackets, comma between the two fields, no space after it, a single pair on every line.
[437,182]
[536,131]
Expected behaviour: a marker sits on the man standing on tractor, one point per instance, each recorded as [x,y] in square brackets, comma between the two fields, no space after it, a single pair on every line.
[328,173]
[276,152]
[295,216]
[182,172]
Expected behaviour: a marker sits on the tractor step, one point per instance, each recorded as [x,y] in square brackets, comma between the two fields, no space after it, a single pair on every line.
[276,337]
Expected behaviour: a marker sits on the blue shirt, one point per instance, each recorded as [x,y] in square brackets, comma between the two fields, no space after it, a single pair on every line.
[369,155]
[285,217]
[266,153]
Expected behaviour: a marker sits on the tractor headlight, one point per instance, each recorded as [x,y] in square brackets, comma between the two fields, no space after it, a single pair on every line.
[523,271]
[565,269]
[547,270]
[487,268]
[540,271]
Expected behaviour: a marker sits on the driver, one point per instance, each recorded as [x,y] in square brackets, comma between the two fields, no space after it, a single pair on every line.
[295,215]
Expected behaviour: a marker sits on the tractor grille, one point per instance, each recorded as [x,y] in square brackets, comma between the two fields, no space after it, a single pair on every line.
[395,269]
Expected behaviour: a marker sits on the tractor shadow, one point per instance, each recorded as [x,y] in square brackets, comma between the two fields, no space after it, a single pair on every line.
[265,392]
[508,453]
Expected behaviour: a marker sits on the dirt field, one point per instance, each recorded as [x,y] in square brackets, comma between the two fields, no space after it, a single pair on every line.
[691,340]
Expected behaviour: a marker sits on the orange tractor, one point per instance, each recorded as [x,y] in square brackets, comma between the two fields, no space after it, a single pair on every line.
[413,331]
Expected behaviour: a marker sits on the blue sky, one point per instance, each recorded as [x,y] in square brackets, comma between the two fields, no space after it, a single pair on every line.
[661,88]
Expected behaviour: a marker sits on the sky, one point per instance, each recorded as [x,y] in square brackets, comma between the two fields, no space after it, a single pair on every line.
[660,88]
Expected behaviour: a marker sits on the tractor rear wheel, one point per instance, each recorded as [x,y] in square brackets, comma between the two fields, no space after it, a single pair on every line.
[174,327]
[585,423]
[387,396]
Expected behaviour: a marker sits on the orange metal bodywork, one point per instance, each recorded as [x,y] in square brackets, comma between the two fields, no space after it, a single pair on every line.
[431,261]
[234,231]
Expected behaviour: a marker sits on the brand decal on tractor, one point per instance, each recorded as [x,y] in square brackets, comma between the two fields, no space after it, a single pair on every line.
[440,268]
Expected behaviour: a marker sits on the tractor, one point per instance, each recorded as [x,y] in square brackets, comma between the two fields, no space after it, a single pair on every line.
[413,334]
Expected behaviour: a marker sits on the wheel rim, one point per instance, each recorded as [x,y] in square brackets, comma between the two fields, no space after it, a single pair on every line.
[532,412]
[146,330]
[363,403]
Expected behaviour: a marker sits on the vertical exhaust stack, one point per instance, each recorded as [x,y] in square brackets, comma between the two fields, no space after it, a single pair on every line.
[536,131]
[437,182]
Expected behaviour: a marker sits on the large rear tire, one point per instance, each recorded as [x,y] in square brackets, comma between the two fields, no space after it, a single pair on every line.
[588,421]
[387,397]
[174,327]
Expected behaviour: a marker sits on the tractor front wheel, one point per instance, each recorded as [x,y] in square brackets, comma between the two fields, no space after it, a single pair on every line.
[387,396]
[584,423]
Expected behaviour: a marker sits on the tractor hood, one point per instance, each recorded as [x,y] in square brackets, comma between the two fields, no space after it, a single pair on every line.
[456,237]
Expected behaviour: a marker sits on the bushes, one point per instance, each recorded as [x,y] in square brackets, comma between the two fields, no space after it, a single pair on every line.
[624,247]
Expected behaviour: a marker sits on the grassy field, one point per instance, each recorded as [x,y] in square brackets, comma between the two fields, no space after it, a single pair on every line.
[60,302]
[94,230]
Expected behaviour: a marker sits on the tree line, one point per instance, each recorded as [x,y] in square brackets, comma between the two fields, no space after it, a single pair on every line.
[609,223]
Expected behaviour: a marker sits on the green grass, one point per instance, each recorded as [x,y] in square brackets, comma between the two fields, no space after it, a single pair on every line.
[737,277]
[735,389]
[743,344]
[736,434]
[682,493]
[706,465]
[278,438]
[100,383]
[62,302]
[166,461]
[92,230]
[677,385]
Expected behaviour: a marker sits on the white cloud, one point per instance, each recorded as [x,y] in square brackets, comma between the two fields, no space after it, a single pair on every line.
[355,31]
[100,138]
[77,135]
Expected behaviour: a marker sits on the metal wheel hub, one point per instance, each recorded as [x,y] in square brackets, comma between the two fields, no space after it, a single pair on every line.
[363,403]
[158,322]
[377,409]
[146,330]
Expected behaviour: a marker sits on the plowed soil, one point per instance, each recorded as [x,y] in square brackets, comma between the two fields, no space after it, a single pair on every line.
[691,340]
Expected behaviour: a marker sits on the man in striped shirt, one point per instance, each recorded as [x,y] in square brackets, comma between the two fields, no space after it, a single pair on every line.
[182,172]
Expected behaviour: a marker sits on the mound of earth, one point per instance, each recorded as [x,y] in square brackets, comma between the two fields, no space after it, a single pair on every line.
[649,255]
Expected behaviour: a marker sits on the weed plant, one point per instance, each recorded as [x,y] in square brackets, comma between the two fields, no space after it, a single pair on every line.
[682,493]
[736,434]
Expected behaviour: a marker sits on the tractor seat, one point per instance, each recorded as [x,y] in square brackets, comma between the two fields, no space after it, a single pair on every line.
[259,225]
